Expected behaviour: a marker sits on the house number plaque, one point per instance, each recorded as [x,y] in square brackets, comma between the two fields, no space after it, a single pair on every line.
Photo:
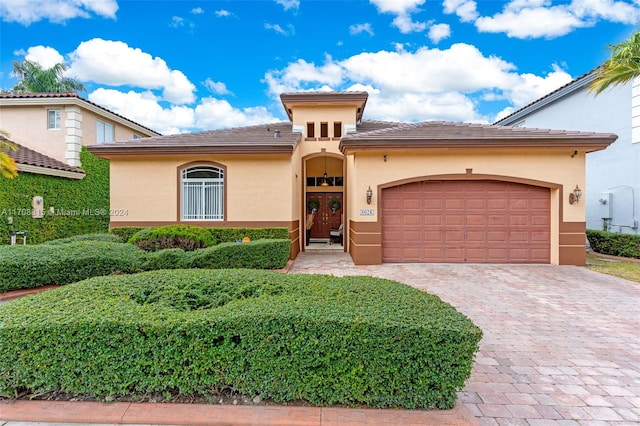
[366,212]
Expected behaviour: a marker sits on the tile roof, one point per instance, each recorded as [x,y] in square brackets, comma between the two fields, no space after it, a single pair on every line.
[29,157]
[453,134]
[250,139]
[63,95]
[354,98]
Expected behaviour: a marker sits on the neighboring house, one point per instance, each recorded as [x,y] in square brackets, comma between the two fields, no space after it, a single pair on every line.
[613,175]
[422,192]
[59,124]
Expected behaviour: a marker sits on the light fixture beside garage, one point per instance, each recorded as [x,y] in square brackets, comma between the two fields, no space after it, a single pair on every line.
[369,195]
[574,196]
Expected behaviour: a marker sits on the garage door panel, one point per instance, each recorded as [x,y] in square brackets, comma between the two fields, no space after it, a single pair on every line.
[466,221]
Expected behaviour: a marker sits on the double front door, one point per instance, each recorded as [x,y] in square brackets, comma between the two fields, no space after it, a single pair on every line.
[329,213]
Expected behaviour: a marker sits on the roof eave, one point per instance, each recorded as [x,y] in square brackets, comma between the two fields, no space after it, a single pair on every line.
[104,151]
[29,168]
[587,145]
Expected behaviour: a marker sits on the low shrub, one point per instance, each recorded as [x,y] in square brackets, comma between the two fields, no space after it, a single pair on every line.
[28,266]
[186,237]
[323,339]
[228,235]
[260,254]
[615,244]
[110,238]
[125,232]
[174,258]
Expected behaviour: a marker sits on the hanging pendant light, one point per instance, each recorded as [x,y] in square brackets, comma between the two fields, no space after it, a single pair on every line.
[325,178]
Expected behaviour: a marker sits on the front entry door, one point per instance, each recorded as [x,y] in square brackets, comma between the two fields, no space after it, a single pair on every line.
[325,218]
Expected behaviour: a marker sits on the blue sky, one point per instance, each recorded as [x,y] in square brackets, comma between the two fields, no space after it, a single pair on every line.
[178,66]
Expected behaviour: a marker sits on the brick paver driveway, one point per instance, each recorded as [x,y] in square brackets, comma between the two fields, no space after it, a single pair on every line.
[561,344]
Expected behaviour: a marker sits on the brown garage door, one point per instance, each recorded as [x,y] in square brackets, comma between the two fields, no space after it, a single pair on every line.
[466,221]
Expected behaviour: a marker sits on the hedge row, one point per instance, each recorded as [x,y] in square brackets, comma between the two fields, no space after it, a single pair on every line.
[28,266]
[38,265]
[220,235]
[323,339]
[110,238]
[615,244]
[186,237]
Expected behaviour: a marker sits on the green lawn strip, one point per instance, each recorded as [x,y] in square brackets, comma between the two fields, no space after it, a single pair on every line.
[626,269]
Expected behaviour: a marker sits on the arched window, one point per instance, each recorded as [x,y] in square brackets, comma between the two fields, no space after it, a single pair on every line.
[202,193]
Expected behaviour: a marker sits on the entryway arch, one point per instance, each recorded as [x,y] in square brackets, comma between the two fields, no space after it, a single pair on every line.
[323,198]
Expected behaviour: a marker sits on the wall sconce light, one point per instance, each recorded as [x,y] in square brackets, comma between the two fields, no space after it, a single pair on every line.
[574,196]
[369,195]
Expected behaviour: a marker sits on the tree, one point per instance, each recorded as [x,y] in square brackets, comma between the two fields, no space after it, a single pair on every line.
[35,79]
[622,67]
[8,168]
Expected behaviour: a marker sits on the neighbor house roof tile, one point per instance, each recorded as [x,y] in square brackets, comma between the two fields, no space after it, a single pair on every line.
[29,157]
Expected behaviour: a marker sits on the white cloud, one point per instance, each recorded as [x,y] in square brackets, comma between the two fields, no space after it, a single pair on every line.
[539,18]
[439,32]
[297,75]
[278,29]
[144,108]
[530,87]
[222,13]
[217,87]
[397,6]
[26,12]
[114,63]
[406,25]
[424,84]
[46,56]
[403,10]
[361,28]
[289,4]
[465,9]
[531,22]
[211,113]
[197,11]
[214,113]
[176,22]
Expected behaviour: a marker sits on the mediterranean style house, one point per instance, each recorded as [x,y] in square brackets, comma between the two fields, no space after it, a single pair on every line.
[420,192]
[57,125]
[612,174]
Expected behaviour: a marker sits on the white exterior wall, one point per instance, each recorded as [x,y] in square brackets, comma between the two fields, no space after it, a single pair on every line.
[612,171]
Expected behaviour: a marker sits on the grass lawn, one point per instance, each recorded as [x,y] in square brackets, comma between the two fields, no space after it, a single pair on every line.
[619,268]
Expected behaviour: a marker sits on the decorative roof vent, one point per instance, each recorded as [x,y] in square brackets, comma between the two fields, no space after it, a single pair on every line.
[276,133]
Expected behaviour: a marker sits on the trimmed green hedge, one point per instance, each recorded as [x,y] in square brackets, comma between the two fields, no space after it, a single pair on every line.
[110,238]
[63,262]
[260,254]
[323,339]
[80,206]
[615,244]
[125,232]
[228,235]
[186,237]
[39,265]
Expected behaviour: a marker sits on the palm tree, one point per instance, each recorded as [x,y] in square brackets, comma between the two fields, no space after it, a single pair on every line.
[622,67]
[8,167]
[35,79]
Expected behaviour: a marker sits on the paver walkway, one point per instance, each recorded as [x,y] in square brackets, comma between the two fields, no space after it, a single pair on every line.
[561,344]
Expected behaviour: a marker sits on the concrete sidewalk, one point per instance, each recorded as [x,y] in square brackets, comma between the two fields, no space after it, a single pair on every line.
[62,412]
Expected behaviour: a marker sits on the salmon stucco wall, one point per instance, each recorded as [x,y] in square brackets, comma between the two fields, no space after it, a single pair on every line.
[256,190]
[381,169]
